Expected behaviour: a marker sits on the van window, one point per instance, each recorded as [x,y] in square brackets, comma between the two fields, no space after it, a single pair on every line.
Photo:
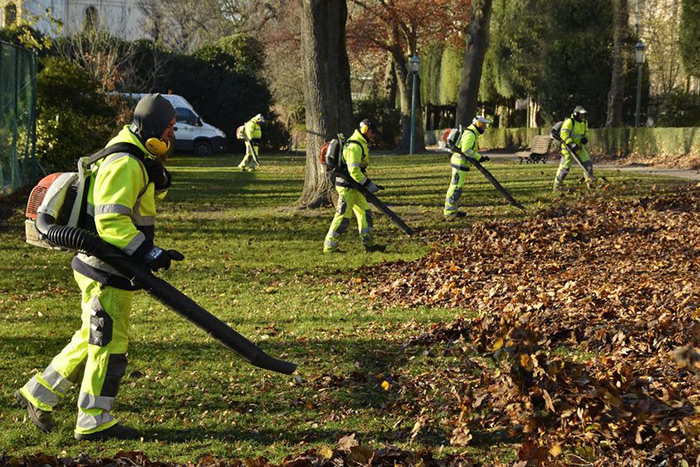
[186,116]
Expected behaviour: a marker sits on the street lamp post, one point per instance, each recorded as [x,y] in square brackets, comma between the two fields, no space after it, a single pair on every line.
[415,66]
[639,58]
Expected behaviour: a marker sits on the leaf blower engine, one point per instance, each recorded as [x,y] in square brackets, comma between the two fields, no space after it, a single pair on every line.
[55,195]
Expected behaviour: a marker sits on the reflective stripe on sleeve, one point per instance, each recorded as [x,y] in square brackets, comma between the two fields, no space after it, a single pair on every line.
[112,209]
[135,243]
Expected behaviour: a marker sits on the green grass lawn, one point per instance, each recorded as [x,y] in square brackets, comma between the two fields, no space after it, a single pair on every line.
[255,261]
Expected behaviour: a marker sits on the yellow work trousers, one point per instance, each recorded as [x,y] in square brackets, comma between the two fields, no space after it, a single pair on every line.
[97,350]
[349,201]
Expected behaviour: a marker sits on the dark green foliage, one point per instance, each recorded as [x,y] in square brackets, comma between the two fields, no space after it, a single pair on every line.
[515,48]
[577,60]
[224,88]
[450,73]
[431,58]
[689,40]
[387,117]
[679,109]
[74,118]
[238,52]
[440,72]
[557,52]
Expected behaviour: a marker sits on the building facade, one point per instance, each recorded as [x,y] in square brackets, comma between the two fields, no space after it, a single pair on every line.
[122,18]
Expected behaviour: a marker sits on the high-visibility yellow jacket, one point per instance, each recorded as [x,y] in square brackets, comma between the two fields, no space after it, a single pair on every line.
[121,209]
[469,145]
[253,131]
[572,131]
[356,158]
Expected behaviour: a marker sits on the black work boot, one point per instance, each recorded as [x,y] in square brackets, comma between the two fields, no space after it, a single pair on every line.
[42,419]
[375,247]
[455,216]
[113,432]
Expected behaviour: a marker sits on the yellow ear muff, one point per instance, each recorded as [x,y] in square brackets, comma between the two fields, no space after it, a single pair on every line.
[363,128]
[157,146]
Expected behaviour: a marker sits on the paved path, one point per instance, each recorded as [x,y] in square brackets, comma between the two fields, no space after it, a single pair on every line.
[677,173]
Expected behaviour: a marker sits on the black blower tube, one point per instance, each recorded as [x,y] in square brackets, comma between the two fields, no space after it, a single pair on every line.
[87,242]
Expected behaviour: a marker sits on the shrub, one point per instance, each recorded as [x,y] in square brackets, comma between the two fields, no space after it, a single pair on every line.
[387,117]
[73,118]
[223,88]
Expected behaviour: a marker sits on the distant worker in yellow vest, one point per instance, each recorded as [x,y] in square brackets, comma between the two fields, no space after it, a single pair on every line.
[121,209]
[253,135]
[574,132]
[469,145]
[356,158]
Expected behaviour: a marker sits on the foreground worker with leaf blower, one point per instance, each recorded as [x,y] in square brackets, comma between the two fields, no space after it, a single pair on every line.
[468,144]
[121,209]
[355,156]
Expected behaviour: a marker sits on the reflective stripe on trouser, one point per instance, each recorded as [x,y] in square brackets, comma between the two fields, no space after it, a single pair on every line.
[349,201]
[99,346]
[248,160]
[454,192]
[567,161]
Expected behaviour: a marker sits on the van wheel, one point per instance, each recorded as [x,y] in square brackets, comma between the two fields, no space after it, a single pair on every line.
[202,148]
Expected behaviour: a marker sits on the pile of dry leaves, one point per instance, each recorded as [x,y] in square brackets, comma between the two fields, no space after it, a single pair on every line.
[590,315]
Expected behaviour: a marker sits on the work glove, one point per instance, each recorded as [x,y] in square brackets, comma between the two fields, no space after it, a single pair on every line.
[573,146]
[584,140]
[157,173]
[372,187]
[484,159]
[157,258]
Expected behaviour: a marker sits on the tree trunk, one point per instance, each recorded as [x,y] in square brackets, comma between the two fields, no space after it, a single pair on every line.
[390,81]
[326,89]
[477,43]
[617,86]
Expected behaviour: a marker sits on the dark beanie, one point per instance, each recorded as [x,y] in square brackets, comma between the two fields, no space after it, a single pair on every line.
[152,116]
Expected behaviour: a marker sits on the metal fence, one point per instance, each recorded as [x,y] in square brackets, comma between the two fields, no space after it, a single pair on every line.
[18,163]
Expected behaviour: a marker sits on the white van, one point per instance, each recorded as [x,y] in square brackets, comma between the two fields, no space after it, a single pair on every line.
[191,132]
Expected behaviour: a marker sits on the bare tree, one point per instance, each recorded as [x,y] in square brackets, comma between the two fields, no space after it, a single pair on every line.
[661,36]
[326,88]
[251,16]
[110,61]
[182,25]
[281,37]
[398,27]
[477,44]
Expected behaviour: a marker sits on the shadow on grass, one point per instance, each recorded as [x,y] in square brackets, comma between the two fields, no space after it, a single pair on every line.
[347,375]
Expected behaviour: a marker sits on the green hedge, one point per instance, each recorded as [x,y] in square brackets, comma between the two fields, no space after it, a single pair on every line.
[611,141]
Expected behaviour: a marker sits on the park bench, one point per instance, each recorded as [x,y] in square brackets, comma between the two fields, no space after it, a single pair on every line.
[539,150]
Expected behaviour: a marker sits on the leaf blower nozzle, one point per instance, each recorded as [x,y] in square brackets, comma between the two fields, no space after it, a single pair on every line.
[87,242]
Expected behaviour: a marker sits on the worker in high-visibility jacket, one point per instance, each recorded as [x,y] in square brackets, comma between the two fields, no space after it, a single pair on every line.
[355,157]
[121,210]
[253,135]
[469,144]
[574,132]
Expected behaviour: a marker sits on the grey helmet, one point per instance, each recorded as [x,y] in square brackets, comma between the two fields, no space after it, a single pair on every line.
[580,113]
[480,123]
